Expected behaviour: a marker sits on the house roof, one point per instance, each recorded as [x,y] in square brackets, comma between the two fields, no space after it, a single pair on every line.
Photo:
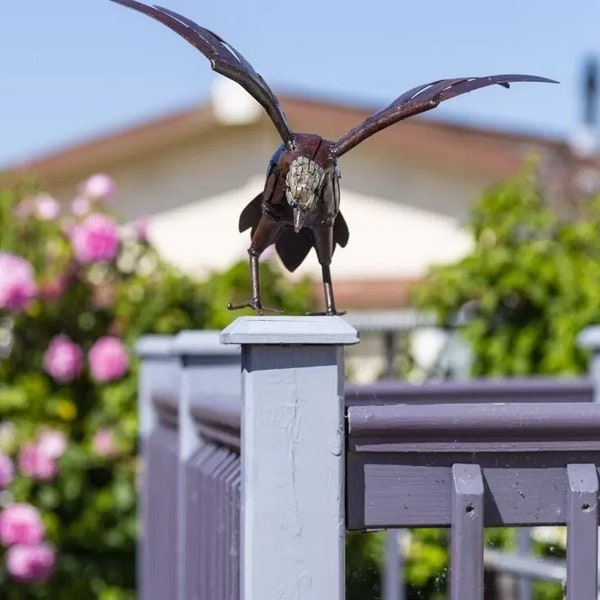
[490,152]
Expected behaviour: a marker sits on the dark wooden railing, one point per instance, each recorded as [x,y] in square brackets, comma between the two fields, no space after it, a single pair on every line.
[218,511]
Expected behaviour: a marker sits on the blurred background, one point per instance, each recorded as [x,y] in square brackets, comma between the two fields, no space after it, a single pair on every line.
[93,88]
[73,70]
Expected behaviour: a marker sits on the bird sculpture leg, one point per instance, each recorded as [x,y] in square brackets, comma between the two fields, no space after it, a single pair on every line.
[328,291]
[267,232]
[323,234]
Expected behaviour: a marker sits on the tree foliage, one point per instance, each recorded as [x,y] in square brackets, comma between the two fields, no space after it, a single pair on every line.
[529,286]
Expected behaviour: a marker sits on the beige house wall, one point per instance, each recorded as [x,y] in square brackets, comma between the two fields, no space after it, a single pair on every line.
[403,213]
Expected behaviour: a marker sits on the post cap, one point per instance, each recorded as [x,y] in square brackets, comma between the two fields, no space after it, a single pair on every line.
[202,343]
[155,346]
[304,330]
[590,338]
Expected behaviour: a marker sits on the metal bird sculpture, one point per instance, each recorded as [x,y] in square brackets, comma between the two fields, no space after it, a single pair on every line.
[299,206]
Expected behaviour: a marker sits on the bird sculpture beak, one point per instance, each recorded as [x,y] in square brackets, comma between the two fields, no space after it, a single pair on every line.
[299,217]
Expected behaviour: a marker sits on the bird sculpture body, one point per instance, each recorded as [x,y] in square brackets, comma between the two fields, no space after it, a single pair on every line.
[299,207]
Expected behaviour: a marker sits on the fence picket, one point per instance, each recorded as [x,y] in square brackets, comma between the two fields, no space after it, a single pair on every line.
[582,532]
[466,568]
[161,501]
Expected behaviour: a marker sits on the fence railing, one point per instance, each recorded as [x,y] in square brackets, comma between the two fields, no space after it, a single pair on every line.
[257,458]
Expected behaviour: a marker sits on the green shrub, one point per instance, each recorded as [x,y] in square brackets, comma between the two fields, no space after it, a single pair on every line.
[530,285]
[75,294]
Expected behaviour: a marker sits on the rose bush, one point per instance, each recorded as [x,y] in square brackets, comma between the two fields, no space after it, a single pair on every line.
[76,291]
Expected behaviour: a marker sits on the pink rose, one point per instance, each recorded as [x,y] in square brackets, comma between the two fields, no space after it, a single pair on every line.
[17,282]
[34,463]
[52,443]
[63,359]
[7,470]
[30,563]
[21,523]
[103,442]
[45,207]
[108,359]
[98,187]
[80,206]
[95,238]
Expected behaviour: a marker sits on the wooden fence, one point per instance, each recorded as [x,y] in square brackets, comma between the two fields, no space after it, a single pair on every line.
[257,458]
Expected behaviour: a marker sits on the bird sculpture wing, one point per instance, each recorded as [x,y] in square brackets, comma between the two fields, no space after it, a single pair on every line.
[420,99]
[224,59]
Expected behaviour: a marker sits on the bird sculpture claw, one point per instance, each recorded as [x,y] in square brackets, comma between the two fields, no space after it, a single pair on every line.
[256,306]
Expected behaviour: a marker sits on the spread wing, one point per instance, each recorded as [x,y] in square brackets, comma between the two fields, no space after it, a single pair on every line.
[223,57]
[418,100]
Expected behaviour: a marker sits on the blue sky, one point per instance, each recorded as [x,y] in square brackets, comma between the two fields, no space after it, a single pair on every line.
[73,69]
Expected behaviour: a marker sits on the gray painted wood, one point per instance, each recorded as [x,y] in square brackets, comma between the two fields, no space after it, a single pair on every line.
[414,490]
[524,550]
[548,569]
[208,370]
[158,378]
[582,532]
[292,456]
[470,427]
[393,568]
[159,576]
[290,330]
[589,338]
[401,456]
[489,390]
[466,561]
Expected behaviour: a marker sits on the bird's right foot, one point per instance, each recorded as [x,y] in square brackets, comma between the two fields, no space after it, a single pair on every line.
[256,305]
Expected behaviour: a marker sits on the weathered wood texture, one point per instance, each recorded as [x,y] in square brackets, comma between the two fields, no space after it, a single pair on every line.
[400,458]
[466,566]
[292,456]
[582,532]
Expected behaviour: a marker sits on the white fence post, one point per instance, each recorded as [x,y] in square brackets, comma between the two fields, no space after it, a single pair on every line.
[293,454]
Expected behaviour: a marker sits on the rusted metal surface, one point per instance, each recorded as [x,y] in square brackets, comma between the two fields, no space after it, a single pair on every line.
[299,206]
